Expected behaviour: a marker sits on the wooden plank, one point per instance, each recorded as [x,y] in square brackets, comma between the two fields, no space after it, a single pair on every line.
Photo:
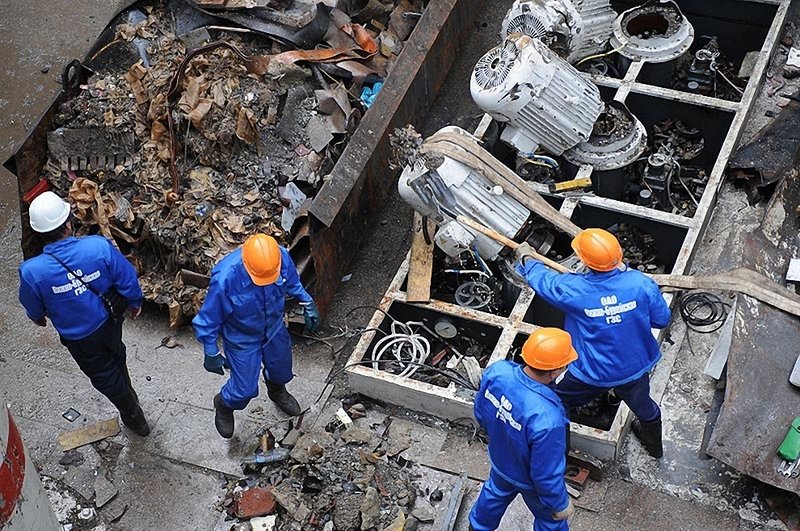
[88,434]
[420,266]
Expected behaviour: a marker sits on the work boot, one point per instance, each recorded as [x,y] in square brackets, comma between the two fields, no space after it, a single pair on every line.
[131,412]
[223,417]
[650,435]
[283,399]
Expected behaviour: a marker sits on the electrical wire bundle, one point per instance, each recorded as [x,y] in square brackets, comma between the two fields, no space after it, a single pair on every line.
[702,311]
[405,345]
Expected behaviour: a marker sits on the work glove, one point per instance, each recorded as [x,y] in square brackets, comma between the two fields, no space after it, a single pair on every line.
[566,513]
[311,315]
[524,250]
[214,361]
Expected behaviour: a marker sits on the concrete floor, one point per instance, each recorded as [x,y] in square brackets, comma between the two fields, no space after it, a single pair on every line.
[174,478]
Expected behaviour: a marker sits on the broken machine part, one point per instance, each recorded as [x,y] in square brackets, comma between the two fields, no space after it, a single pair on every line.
[655,32]
[91,148]
[618,139]
[572,29]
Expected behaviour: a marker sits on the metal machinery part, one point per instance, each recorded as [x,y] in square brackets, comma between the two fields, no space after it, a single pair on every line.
[657,178]
[618,139]
[598,23]
[655,32]
[475,196]
[474,294]
[445,328]
[554,22]
[572,28]
[544,101]
[701,77]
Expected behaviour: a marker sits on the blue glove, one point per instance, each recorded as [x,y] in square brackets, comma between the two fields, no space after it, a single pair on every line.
[311,315]
[215,362]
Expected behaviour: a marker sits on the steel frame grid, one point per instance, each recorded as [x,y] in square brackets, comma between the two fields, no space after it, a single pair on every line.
[446,402]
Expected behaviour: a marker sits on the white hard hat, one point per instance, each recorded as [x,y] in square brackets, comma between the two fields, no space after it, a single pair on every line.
[48,212]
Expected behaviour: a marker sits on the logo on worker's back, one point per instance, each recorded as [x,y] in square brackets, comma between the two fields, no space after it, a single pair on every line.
[504,407]
[612,310]
[75,282]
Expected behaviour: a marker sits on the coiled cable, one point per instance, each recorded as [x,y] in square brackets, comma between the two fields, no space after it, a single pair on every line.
[702,311]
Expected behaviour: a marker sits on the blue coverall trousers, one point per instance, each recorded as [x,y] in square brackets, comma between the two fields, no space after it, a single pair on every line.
[276,359]
[495,497]
[575,393]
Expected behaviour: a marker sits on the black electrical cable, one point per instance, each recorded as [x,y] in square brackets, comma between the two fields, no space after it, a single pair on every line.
[702,311]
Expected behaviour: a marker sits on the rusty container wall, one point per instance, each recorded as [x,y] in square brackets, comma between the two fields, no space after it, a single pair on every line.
[344,207]
[23,502]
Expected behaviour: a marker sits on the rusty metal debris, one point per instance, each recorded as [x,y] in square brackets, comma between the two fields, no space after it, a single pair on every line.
[345,478]
[210,137]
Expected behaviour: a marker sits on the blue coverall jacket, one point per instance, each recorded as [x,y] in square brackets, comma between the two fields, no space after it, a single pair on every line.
[526,425]
[609,316]
[47,289]
[249,319]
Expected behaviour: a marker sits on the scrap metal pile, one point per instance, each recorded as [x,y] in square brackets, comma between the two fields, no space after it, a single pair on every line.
[177,150]
[350,476]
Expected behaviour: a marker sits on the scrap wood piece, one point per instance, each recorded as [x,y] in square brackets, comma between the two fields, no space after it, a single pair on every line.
[420,266]
[464,148]
[89,434]
[742,280]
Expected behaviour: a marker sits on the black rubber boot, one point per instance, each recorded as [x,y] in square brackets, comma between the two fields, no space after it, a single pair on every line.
[283,399]
[650,435]
[131,412]
[223,417]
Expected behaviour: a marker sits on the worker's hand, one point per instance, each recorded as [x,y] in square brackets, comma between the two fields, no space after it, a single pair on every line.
[566,513]
[524,250]
[134,312]
[216,363]
[41,322]
[311,315]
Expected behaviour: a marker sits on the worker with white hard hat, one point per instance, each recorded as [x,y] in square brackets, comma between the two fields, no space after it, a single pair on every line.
[83,285]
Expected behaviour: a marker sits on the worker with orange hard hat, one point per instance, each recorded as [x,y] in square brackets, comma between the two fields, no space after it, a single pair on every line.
[609,311]
[245,306]
[526,422]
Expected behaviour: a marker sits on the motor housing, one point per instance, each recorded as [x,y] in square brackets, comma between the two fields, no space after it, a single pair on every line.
[544,101]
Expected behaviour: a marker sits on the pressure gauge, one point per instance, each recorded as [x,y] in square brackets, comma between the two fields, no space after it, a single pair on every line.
[445,329]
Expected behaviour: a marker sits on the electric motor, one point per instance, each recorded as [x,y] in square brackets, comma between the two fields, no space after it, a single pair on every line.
[544,101]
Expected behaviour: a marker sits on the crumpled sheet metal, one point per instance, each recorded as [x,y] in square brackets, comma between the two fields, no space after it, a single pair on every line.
[771,153]
[760,403]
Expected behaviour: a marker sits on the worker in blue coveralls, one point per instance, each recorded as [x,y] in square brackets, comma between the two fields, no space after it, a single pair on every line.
[609,311]
[526,425]
[245,306]
[65,284]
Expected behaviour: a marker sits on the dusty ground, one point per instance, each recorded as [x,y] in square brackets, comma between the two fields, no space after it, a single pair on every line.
[174,478]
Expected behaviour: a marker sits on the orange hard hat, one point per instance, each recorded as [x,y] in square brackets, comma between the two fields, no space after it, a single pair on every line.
[548,349]
[261,257]
[598,249]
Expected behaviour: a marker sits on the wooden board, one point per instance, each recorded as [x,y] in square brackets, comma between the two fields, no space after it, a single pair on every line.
[88,434]
[420,268]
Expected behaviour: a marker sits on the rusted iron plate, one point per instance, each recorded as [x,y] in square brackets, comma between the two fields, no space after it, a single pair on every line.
[345,206]
[773,151]
[760,403]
